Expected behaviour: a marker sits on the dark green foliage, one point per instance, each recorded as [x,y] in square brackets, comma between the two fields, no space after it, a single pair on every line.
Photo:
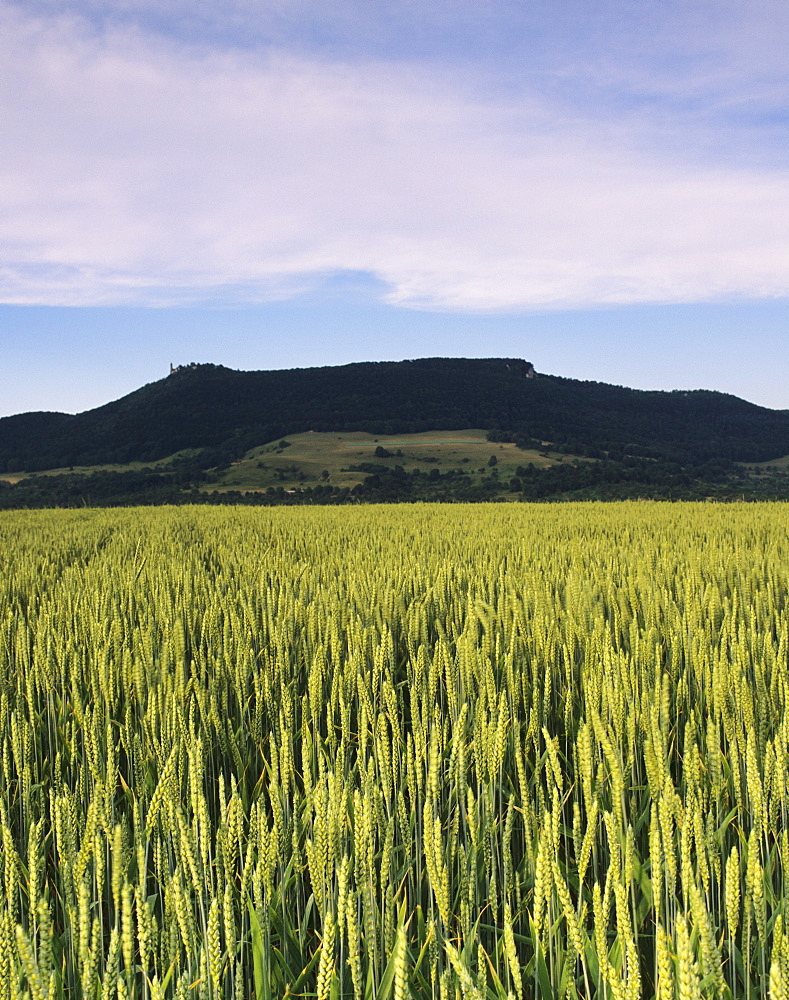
[667,444]
[226,412]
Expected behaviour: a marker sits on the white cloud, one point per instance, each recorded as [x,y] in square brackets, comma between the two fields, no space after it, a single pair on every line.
[137,170]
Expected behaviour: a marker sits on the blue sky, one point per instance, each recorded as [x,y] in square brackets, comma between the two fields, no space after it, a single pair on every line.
[598,186]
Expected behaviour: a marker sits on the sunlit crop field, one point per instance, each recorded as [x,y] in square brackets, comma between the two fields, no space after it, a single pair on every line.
[432,752]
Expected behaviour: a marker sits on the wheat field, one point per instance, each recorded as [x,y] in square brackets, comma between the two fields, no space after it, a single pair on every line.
[386,752]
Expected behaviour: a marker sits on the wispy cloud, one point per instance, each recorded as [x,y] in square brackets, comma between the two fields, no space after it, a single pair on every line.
[141,169]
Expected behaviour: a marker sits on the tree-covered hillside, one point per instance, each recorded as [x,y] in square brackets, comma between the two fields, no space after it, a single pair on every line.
[222,413]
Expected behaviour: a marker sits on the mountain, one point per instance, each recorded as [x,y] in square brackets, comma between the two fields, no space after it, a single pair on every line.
[214,415]
[224,412]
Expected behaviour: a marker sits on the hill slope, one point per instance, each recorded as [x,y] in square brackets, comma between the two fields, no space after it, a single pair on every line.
[223,413]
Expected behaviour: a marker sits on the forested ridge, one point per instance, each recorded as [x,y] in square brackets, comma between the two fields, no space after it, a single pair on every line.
[219,409]
[662,440]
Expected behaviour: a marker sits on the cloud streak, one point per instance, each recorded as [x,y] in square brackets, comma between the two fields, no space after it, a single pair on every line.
[140,170]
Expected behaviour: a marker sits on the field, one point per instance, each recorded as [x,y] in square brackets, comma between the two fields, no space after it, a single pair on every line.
[385,752]
[313,457]
[160,465]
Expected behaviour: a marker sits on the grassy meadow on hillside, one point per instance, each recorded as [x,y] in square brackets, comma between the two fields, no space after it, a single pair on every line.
[478,752]
[309,456]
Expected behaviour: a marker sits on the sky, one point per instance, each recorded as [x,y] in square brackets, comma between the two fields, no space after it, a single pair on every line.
[600,187]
